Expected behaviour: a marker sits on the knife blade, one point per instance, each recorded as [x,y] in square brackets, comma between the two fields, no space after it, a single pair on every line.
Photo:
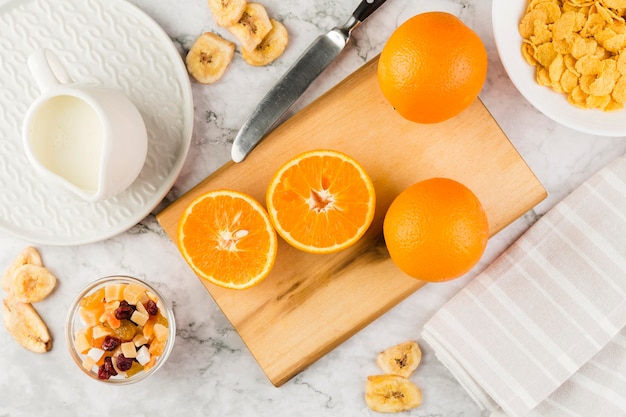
[296,80]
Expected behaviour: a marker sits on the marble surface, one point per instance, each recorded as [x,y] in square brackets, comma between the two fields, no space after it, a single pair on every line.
[210,371]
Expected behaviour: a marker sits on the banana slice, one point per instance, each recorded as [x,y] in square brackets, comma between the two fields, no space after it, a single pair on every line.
[28,255]
[209,57]
[227,12]
[25,325]
[271,47]
[253,26]
[391,394]
[401,359]
[32,283]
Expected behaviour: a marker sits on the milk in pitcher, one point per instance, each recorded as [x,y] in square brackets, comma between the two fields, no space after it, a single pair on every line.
[67,138]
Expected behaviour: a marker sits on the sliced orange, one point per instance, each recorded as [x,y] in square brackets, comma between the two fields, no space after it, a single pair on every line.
[321,201]
[227,238]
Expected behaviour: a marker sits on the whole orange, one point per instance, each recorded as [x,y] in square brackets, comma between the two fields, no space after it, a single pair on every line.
[432,67]
[436,230]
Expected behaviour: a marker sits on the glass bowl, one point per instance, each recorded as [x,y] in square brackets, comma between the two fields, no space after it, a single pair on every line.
[115,318]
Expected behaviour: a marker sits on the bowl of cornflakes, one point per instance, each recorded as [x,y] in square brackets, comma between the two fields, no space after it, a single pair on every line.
[120,330]
[567,58]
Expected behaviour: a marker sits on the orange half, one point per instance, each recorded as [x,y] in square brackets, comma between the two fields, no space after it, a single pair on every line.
[321,201]
[227,238]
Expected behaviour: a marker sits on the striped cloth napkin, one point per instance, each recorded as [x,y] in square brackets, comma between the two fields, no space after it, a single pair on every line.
[541,332]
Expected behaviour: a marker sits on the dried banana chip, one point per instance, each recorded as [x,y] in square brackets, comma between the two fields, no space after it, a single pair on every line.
[25,325]
[209,57]
[28,255]
[391,394]
[401,359]
[253,26]
[227,12]
[271,47]
[32,283]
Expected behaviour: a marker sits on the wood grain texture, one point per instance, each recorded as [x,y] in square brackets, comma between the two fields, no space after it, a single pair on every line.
[309,304]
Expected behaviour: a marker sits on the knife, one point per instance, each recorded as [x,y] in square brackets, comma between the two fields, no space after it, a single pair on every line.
[296,80]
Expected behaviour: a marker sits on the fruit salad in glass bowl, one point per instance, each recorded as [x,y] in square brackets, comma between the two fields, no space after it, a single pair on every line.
[120,329]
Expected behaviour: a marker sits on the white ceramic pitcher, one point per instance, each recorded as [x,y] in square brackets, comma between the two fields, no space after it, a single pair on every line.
[86,137]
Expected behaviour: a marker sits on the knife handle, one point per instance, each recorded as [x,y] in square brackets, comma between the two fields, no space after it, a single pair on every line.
[366,8]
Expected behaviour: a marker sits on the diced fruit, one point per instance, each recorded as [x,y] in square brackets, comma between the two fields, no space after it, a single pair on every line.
[125,331]
[95,353]
[111,320]
[88,363]
[160,332]
[157,347]
[161,319]
[143,355]
[148,329]
[152,296]
[100,331]
[82,341]
[114,292]
[129,350]
[139,318]
[141,308]
[133,293]
[91,316]
[139,340]
[111,305]
[93,300]
[149,364]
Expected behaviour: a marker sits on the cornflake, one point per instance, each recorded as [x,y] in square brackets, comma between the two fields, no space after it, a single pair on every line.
[578,48]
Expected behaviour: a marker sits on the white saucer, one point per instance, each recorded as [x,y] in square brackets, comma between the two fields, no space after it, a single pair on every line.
[111,42]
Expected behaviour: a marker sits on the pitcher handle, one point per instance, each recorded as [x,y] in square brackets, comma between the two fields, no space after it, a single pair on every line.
[47,69]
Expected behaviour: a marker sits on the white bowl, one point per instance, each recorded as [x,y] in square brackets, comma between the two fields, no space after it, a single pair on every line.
[506,15]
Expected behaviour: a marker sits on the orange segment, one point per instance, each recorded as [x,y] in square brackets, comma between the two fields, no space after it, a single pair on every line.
[321,201]
[226,237]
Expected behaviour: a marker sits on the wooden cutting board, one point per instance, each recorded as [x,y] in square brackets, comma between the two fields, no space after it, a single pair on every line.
[309,304]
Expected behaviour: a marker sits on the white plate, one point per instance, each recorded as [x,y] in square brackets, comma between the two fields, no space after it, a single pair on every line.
[107,41]
[506,15]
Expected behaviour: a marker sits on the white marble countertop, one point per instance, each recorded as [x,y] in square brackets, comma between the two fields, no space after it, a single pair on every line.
[210,371]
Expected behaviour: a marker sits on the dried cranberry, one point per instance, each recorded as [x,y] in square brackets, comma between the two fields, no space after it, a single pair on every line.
[124,363]
[108,366]
[106,370]
[102,373]
[110,342]
[152,308]
[124,311]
